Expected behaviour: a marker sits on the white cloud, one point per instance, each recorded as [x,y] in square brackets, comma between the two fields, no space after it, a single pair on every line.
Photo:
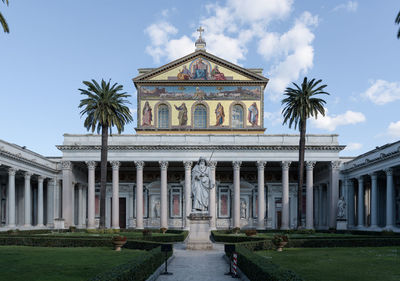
[350,6]
[394,129]
[382,92]
[295,50]
[232,25]
[163,46]
[273,118]
[353,146]
[330,123]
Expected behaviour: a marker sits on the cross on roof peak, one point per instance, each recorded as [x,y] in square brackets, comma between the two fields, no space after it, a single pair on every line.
[200,30]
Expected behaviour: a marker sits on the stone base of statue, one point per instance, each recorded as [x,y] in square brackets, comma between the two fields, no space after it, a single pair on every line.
[199,232]
[341,224]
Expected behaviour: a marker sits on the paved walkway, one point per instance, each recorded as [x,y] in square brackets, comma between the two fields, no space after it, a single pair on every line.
[197,265]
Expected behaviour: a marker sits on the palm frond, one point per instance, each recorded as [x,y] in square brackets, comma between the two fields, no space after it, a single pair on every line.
[4,24]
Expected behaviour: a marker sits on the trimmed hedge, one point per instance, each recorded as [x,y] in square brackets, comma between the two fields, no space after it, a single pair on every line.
[231,238]
[135,270]
[73,242]
[356,242]
[258,268]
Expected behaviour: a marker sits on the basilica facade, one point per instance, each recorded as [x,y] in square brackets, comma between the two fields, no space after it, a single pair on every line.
[196,106]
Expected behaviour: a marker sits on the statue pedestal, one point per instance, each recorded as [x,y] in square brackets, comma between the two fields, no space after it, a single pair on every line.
[341,224]
[199,232]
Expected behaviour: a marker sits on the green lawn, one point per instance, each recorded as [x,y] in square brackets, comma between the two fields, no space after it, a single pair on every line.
[39,263]
[339,264]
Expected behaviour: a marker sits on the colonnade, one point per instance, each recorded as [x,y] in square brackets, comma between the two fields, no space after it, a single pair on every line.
[360,207]
[68,209]
[52,185]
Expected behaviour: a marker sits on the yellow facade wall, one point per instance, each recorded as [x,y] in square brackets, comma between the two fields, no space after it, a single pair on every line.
[212,105]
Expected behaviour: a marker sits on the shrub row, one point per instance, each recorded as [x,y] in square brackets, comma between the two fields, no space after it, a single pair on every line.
[356,242]
[231,238]
[73,242]
[257,268]
[138,269]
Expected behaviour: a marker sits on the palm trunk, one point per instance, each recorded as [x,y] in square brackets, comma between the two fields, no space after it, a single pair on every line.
[103,174]
[302,146]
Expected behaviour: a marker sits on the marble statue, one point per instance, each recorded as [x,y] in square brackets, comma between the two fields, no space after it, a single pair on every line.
[341,208]
[243,208]
[157,209]
[200,186]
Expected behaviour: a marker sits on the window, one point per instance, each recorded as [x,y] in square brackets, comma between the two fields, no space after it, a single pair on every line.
[237,116]
[200,117]
[163,116]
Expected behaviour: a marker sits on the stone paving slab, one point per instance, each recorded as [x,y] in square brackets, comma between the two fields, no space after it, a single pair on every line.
[197,265]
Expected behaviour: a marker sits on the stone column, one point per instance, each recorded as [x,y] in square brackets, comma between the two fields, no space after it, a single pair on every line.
[91,194]
[236,193]
[27,195]
[360,209]
[261,195]
[131,208]
[40,202]
[320,205]
[11,197]
[309,195]
[211,207]
[389,198]
[57,207]
[334,193]
[285,194]
[80,206]
[374,200]
[350,202]
[164,195]
[67,188]
[115,194]
[139,194]
[188,191]
[50,202]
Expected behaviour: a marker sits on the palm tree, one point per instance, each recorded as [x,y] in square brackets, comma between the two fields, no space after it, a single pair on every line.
[3,20]
[105,108]
[397,21]
[300,104]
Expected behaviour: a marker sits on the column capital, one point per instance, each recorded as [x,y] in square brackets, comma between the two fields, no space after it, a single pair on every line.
[335,165]
[285,164]
[310,165]
[188,164]
[236,164]
[373,175]
[66,165]
[163,165]
[91,164]
[261,164]
[360,178]
[12,171]
[389,172]
[52,180]
[41,179]
[115,165]
[27,175]
[212,164]
[139,164]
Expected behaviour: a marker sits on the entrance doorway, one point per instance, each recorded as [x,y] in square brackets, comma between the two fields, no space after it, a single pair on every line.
[122,212]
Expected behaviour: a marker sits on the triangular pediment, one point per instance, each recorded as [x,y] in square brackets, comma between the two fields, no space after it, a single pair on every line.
[200,66]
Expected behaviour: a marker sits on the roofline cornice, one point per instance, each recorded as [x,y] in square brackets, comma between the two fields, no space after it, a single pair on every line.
[214,58]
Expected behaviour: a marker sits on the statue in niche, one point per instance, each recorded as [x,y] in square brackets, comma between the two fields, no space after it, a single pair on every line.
[147,115]
[219,114]
[201,185]
[182,115]
[243,209]
[157,209]
[341,208]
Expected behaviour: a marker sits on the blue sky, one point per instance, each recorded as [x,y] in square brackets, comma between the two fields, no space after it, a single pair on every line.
[54,45]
